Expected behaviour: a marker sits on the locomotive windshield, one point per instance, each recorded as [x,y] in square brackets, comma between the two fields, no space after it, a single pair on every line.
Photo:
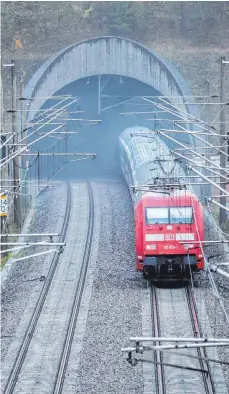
[157,215]
[181,215]
[169,215]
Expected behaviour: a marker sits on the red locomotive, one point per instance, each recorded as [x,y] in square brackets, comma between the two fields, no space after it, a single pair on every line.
[163,220]
[162,223]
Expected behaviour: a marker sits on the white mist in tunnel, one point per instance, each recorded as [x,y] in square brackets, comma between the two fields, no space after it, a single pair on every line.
[100,98]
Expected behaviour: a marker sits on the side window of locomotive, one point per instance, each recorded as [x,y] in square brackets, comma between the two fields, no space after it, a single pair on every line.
[181,215]
[157,215]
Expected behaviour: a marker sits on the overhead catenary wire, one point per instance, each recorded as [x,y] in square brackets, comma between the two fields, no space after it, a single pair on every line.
[28,127]
[29,165]
[28,136]
[200,122]
[217,226]
[209,273]
[180,113]
[211,279]
[200,175]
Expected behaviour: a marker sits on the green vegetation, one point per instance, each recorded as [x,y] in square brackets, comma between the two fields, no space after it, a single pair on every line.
[3,260]
[12,229]
[54,23]
[117,18]
[197,21]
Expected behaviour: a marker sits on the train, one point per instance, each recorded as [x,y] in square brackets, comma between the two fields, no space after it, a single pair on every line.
[169,218]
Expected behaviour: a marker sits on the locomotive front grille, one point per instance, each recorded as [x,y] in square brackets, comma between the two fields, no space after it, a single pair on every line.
[169,266]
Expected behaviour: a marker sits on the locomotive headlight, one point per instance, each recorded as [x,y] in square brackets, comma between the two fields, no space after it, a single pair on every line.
[188,246]
[200,255]
[151,247]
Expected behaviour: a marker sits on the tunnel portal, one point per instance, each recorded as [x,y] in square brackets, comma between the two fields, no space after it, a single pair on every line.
[108,74]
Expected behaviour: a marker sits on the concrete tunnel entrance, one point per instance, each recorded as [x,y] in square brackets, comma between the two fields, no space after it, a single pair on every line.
[100,138]
[125,69]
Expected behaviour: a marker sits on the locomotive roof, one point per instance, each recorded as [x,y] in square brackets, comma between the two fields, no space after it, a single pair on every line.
[149,160]
[182,197]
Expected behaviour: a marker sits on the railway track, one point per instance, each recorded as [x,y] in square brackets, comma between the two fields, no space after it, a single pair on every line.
[60,361]
[76,301]
[159,369]
[37,311]
[174,313]
[202,354]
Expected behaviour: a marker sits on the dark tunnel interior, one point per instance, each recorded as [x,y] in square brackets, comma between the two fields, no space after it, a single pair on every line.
[98,138]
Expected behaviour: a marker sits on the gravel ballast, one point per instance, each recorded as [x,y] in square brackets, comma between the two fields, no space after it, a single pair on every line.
[23,284]
[205,293]
[115,307]
[41,363]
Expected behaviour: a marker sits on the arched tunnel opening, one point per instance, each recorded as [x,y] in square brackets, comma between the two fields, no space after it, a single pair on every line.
[102,98]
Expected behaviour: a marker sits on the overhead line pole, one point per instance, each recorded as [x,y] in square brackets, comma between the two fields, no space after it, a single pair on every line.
[4,173]
[23,128]
[222,212]
[16,173]
[23,135]
[99,94]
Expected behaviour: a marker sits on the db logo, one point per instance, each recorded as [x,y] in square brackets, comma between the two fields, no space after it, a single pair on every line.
[169,237]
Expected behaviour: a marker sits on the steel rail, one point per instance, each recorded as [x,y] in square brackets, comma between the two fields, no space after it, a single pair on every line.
[60,376]
[159,368]
[11,383]
[203,358]
[201,352]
